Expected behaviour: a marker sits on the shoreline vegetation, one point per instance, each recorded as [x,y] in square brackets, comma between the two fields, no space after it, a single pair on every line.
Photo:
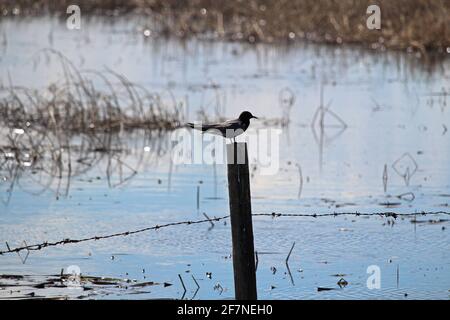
[420,26]
[53,135]
[76,104]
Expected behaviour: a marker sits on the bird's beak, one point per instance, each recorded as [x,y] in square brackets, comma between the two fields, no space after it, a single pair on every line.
[254,117]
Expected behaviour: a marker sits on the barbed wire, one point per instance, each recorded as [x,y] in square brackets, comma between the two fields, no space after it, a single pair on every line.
[40,246]
[335,214]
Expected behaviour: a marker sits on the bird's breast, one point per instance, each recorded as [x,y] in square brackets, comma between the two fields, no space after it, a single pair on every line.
[245,125]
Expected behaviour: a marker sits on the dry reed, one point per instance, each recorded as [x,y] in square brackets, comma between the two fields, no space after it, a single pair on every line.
[414,25]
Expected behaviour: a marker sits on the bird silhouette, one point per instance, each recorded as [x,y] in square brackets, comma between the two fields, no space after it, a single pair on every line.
[229,129]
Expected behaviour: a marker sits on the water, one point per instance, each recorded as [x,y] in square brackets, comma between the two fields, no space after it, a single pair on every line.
[385,109]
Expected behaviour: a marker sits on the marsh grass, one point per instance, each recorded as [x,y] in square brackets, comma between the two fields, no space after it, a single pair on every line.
[52,135]
[87,101]
[413,25]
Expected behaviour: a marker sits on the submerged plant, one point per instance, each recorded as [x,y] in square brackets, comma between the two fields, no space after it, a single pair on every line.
[52,135]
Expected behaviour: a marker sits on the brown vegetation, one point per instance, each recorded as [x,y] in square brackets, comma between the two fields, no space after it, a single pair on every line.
[422,25]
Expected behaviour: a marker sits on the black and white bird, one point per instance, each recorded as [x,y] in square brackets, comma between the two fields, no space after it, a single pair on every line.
[228,129]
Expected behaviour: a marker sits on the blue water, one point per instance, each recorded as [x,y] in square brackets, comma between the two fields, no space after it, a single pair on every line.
[393,108]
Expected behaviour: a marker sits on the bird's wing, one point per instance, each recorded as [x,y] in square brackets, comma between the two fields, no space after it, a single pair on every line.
[230,124]
[221,128]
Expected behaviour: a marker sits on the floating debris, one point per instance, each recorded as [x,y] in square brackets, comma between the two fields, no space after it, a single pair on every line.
[219,288]
[61,286]
[408,196]
[342,283]
[325,289]
[390,204]
[430,221]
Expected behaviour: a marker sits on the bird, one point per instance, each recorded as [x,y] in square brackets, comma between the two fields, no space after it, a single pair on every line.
[228,129]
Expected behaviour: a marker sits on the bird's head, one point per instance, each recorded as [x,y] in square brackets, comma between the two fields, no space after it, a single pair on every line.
[246,116]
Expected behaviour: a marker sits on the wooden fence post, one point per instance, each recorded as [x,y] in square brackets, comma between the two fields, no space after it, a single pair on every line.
[241,222]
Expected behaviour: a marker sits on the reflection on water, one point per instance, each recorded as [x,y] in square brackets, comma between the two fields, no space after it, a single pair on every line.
[360,132]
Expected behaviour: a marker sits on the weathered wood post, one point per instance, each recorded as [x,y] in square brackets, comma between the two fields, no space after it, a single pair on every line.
[241,222]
